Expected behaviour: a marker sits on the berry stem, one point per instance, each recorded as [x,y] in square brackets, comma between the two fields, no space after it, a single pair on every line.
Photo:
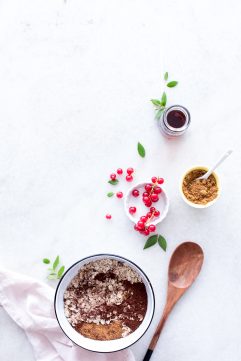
[149,219]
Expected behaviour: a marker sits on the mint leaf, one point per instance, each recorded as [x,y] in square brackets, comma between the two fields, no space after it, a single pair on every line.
[113,182]
[156,102]
[162,242]
[171,84]
[52,276]
[61,271]
[55,272]
[56,263]
[159,113]
[164,99]
[166,76]
[110,194]
[151,241]
[141,150]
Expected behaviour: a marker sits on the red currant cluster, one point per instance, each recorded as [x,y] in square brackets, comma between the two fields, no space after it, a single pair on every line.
[129,178]
[144,225]
[152,191]
[129,174]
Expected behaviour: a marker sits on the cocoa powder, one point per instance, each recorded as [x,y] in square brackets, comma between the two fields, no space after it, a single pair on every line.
[101,332]
[106,300]
[200,191]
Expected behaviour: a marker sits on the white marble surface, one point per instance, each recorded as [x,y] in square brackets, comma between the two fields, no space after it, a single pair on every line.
[75,82]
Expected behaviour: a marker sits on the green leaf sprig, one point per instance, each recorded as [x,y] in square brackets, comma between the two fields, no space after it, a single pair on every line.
[110,194]
[157,238]
[160,104]
[56,270]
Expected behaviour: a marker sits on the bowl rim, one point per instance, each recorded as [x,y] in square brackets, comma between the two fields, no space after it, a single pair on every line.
[121,258]
[196,205]
[160,218]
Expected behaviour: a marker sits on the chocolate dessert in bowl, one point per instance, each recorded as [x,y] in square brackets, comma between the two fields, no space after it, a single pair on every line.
[104,303]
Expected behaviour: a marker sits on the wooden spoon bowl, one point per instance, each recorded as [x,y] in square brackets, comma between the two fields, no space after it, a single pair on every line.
[185,264]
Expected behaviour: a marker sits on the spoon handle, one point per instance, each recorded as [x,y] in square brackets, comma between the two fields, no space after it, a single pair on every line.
[221,159]
[156,336]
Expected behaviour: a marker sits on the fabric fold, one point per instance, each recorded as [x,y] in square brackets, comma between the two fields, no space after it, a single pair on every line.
[30,303]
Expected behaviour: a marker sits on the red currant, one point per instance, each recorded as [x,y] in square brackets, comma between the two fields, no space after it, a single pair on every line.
[143,219]
[146,232]
[113,176]
[119,194]
[154,197]
[157,213]
[129,178]
[146,199]
[130,171]
[148,203]
[108,216]
[152,209]
[157,190]
[135,192]
[148,187]
[119,171]
[145,194]
[149,214]
[160,181]
[140,225]
[152,228]
[135,228]
[154,179]
[132,210]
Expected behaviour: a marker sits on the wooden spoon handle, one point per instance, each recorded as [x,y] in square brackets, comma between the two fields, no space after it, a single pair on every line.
[156,336]
[148,355]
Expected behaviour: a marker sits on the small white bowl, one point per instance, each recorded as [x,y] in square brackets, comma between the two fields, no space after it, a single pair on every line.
[96,345]
[195,205]
[162,205]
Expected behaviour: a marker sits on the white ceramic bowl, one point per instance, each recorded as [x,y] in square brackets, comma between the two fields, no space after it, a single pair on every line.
[162,205]
[95,345]
[195,205]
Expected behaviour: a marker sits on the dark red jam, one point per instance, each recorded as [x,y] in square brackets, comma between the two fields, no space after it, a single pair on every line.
[176,119]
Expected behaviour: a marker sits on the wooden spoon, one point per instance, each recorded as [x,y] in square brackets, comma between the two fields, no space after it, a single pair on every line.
[184,267]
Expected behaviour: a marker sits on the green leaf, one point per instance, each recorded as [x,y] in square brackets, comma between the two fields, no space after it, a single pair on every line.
[110,194]
[166,76]
[171,84]
[164,99]
[141,150]
[46,261]
[56,263]
[113,182]
[151,241]
[61,271]
[162,242]
[52,276]
[156,102]
[159,113]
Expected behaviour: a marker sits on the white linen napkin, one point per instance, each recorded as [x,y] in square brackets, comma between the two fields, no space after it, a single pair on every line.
[30,304]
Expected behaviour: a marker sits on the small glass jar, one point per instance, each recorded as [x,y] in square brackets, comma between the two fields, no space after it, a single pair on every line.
[174,121]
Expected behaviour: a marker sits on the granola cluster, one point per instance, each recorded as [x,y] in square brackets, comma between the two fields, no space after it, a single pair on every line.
[109,293]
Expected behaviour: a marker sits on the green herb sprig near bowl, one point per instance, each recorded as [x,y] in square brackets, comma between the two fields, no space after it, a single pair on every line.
[160,104]
[56,271]
[157,238]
